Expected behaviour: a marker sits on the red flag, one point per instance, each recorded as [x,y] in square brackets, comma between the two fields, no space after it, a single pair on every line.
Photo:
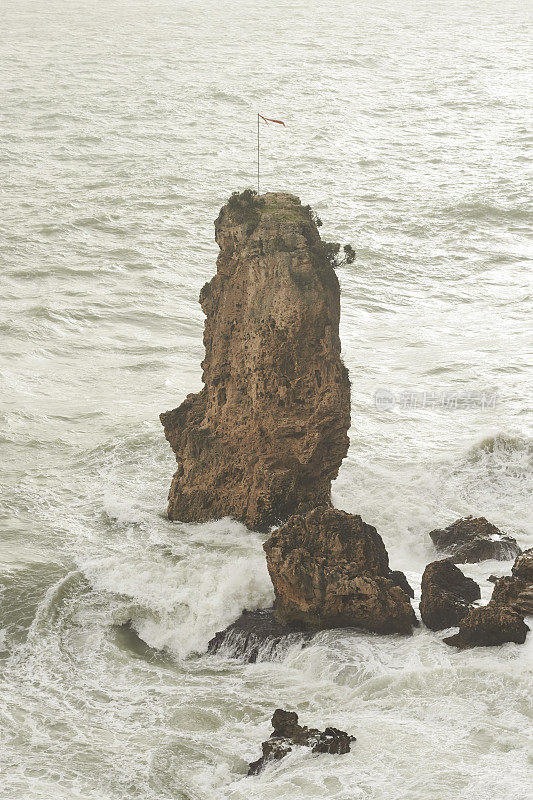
[267,120]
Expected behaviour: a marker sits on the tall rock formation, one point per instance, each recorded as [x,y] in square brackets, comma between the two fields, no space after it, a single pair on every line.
[266,435]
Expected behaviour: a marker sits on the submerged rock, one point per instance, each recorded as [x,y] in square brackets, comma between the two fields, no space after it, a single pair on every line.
[266,435]
[489,626]
[469,540]
[287,732]
[255,635]
[446,595]
[331,570]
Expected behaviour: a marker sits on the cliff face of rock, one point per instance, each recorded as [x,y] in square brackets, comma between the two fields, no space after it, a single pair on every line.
[331,570]
[266,435]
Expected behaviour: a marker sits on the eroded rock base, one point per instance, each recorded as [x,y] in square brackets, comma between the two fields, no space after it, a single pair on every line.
[257,636]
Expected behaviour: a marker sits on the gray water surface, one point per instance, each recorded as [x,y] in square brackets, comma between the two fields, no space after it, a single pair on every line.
[124,126]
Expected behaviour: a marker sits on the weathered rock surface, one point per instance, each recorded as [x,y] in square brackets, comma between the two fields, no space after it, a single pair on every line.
[447,595]
[331,570]
[469,540]
[257,635]
[516,590]
[399,579]
[523,566]
[524,602]
[488,626]
[267,433]
[287,733]
[507,590]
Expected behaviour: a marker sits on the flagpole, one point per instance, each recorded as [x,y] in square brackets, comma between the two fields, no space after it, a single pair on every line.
[267,120]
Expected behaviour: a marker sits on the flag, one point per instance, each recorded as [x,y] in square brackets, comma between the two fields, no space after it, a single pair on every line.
[267,120]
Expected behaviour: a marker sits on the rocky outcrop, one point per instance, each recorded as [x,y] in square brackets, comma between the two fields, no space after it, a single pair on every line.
[287,733]
[524,602]
[330,569]
[398,578]
[489,626]
[469,540]
[447,595]
[257,635]
[516,590]
[523,566]
[507,590]
[266,435]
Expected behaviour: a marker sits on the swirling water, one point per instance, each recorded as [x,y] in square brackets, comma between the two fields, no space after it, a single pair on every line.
[124,127]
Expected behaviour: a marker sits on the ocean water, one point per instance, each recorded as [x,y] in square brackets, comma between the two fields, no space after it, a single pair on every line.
[124,126]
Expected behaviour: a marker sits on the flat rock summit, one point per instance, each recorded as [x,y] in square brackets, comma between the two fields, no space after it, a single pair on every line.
[267,433]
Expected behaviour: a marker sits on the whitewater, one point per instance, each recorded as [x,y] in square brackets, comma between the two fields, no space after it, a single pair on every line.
[124,126]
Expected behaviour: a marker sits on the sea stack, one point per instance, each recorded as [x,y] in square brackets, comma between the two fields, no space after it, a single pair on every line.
[267,433]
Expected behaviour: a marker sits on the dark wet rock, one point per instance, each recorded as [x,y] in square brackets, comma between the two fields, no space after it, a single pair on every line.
[469,540]
[492,578]
[523,566]
[287,733]
[516,590]
[507,590]
[256,635]
[489,626]
[524,602]
[268,432]
[398,578]
[273,750]
[447,595]
[331,570]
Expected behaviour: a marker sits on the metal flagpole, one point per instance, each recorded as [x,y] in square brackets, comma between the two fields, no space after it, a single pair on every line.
[258,153]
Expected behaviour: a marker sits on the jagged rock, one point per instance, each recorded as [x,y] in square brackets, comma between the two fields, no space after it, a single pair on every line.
[287,732]
[446,595]
[267,433]
[488,626]
[331,570]
[256,634]
[524,602]
[516,590]
[507,589]
[399,579]
[523,566]
[469,540]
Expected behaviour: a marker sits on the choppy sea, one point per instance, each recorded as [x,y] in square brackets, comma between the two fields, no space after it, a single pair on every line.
[124,126]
